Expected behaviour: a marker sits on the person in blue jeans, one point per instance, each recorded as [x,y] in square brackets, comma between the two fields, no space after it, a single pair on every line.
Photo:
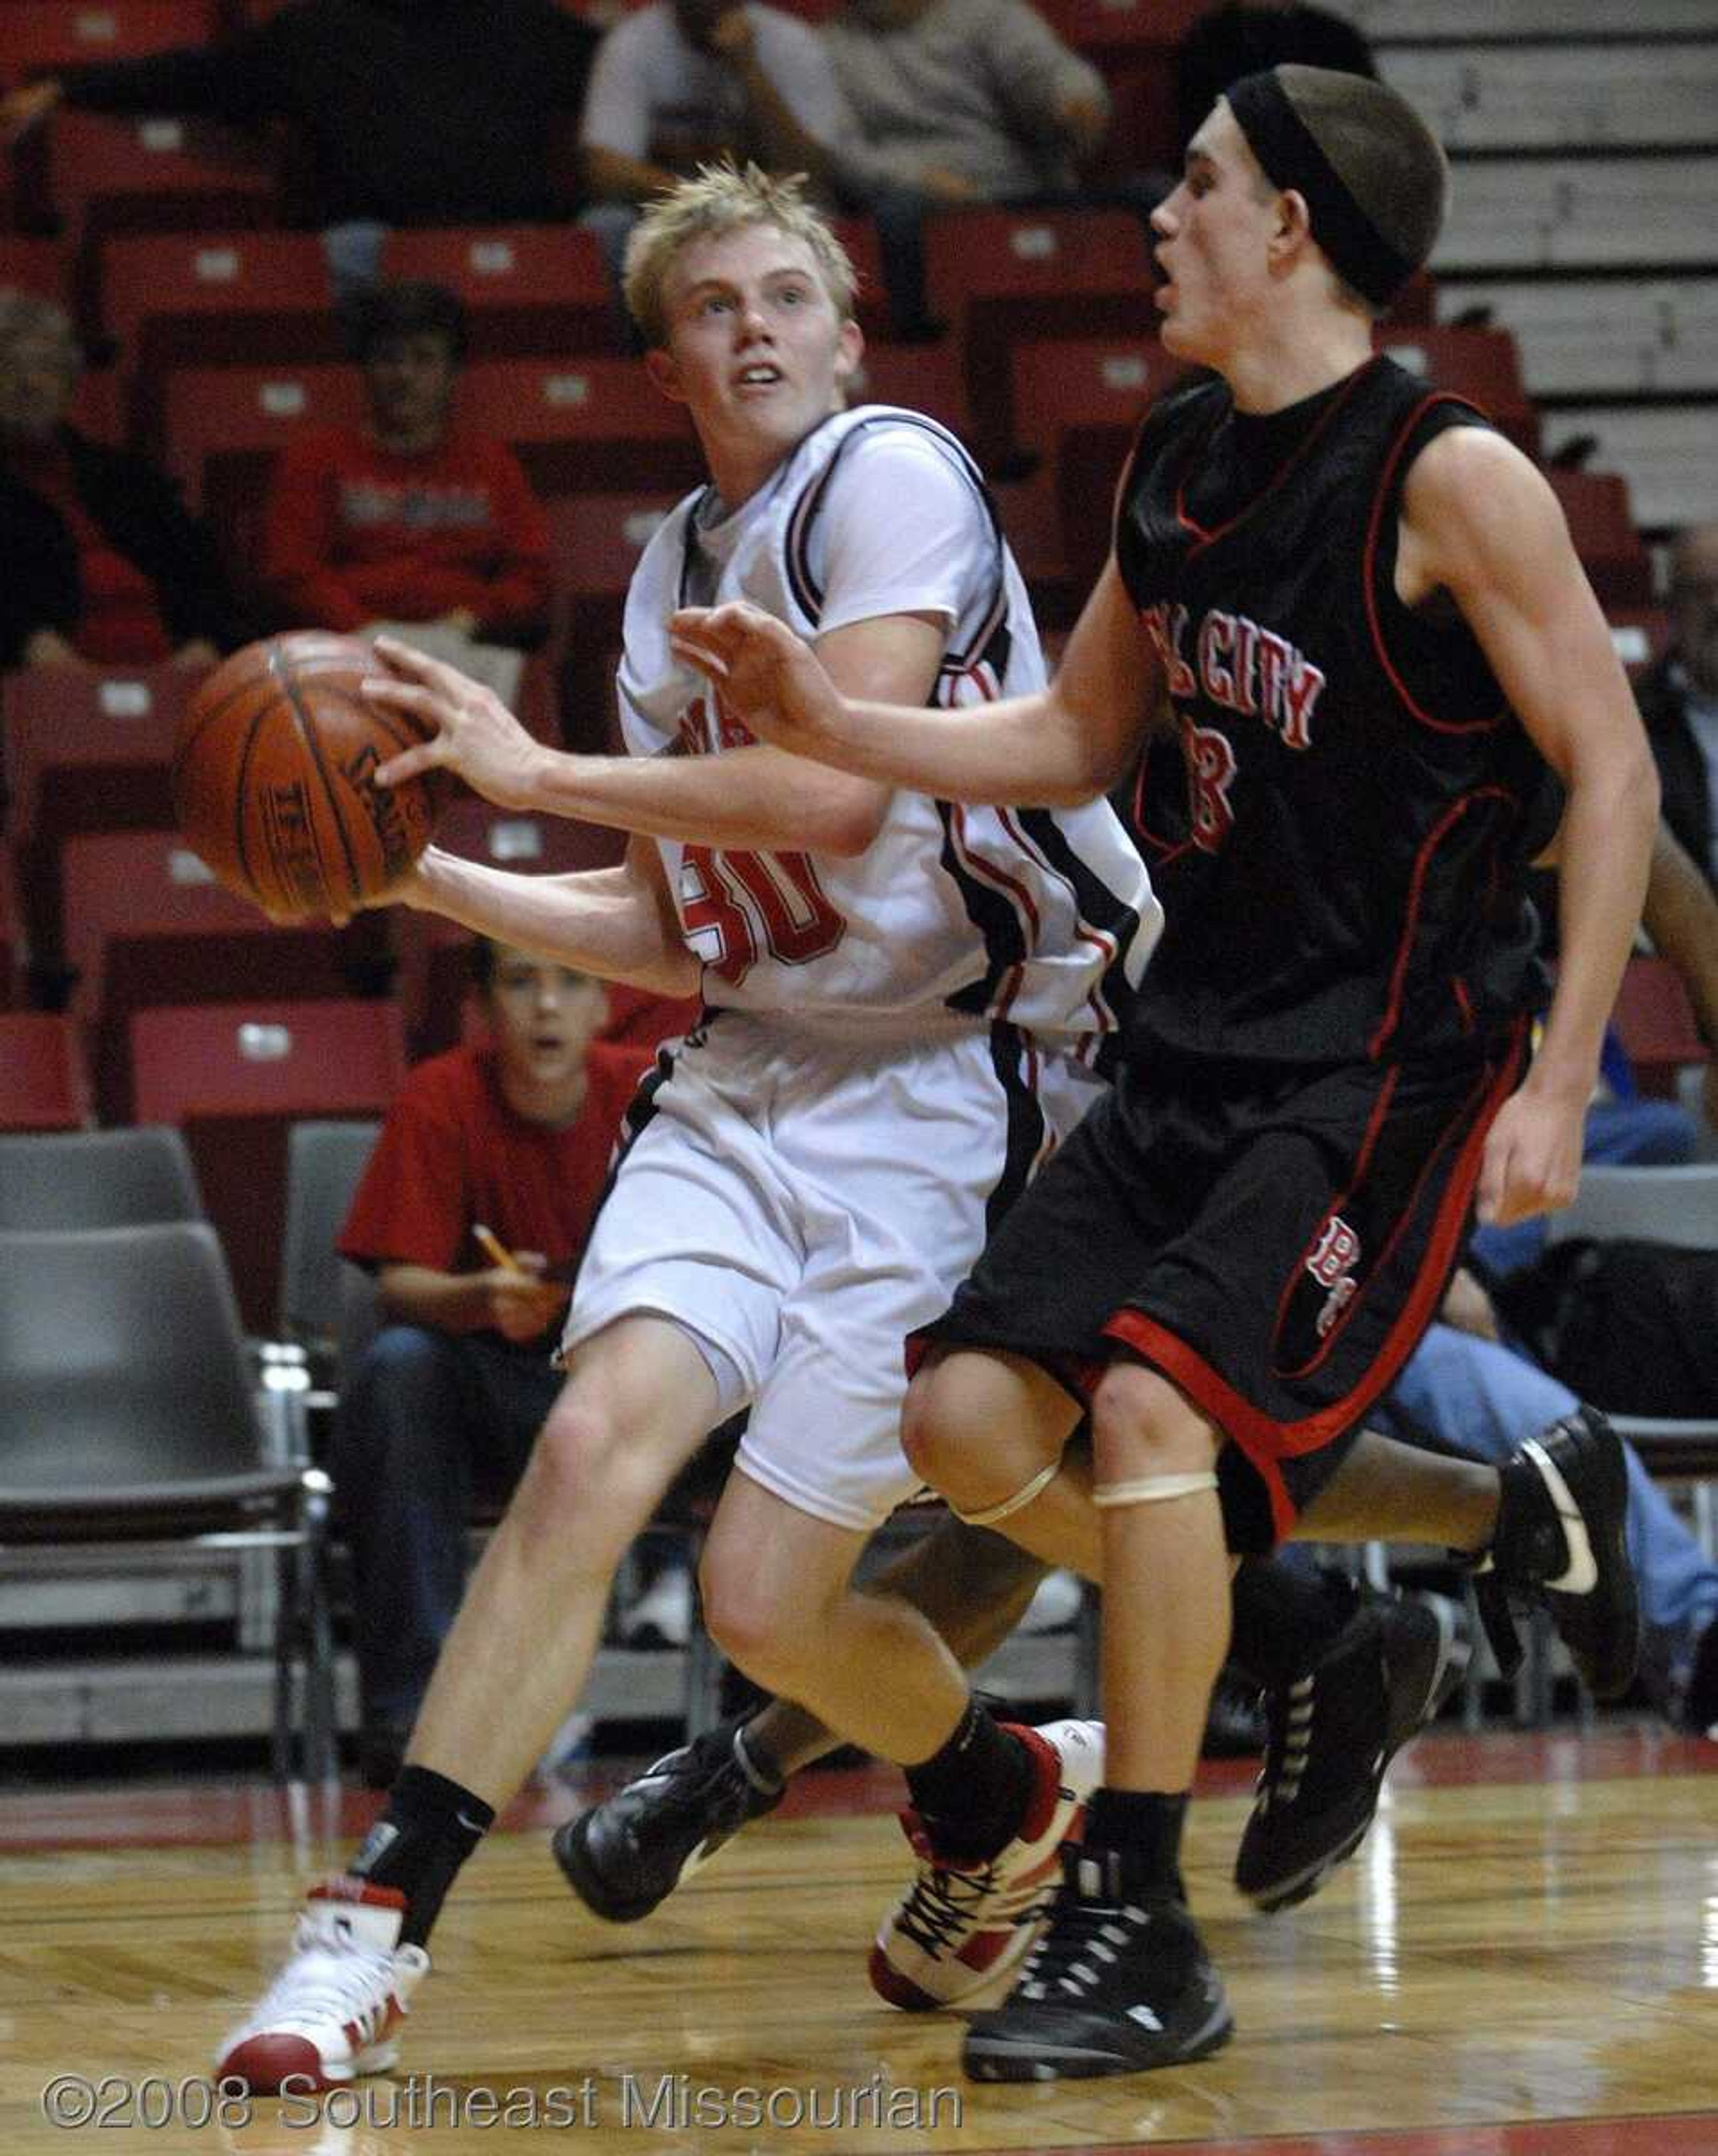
[1472,1390]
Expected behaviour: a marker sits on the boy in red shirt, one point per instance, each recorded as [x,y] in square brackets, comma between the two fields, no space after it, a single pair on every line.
[411,517]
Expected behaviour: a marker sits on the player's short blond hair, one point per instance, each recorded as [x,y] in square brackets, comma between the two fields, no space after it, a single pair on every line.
[724,199]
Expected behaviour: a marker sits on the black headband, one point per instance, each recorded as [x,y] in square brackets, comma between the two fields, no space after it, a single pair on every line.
[1289,153]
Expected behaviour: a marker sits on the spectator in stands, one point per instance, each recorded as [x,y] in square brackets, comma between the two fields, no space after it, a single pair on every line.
[682,83]
[1243,36]
[515,1133]
[412,517]
[1678,699]
[413,112]
[962,102]
[104,565]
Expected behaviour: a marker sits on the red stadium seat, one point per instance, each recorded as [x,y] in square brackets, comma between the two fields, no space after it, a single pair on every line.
[35,264]
[596,540]
[1033,527]
[858,235]
[999,275]
[223,427]
[179,299]
[261,1057]
[1064,383]
[1077,405]
[1143,125]
[146,923]
[86,173]
[11,932]
[582,425]
[1657,1024]
[1602,525]
[924,377]
[84,751]
[51,34]
[528,287]
[1116,33]
[234,1077]
[43,1085]
[1482,365]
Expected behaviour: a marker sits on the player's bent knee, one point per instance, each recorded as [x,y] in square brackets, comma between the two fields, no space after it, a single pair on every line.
[582,1483]
[759,1637]
[943,1439]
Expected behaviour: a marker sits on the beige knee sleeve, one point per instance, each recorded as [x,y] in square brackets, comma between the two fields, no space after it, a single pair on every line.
[1017,1503]
[1154,1489]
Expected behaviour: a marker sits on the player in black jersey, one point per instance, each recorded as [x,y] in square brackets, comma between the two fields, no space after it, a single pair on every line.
[1361,611]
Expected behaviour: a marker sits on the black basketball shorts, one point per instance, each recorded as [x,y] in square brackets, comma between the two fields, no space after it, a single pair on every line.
[1276,1248]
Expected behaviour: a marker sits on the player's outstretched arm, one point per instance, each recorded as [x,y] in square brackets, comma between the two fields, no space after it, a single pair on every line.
[617,922]
[1478,521]
[1062,746]
[754,797]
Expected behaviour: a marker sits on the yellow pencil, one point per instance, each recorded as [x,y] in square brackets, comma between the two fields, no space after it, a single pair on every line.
[495,1250]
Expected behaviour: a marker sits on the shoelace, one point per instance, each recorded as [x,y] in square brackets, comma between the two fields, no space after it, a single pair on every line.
[1288,1741]
[1081,1941]
[348,1983]
[942,1903]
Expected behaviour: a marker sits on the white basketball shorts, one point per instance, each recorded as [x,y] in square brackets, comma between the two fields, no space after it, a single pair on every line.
[803,1205]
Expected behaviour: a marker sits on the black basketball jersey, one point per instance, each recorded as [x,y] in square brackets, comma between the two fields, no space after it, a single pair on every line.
[1340,836]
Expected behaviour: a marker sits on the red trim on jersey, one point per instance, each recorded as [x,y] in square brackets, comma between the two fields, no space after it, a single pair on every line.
[1369,592]
[1422,861]
[1188,522]
[1267,1442]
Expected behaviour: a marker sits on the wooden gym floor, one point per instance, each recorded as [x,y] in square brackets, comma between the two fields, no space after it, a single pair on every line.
[1522,1962]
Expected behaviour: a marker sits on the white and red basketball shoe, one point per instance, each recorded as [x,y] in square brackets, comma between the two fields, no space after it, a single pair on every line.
[958,1936]
[335,2009]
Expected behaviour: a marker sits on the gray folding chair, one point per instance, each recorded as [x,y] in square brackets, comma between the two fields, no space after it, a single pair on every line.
[324,1163]
[128,1422]
[96,1178]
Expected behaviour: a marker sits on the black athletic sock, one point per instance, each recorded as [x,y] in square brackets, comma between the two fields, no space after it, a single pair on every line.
[973,1794]
[1136,1835]
[1285,1616]
[430,1827]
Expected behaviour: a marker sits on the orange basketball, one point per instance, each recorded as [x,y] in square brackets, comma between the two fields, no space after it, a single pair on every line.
[274,777]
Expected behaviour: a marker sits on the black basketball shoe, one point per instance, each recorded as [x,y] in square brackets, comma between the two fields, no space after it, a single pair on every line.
[1116,1985]
[1331,1736]
[629,1853]
[1560,1540]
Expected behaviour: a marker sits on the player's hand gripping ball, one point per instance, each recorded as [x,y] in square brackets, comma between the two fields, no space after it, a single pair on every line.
[274,777]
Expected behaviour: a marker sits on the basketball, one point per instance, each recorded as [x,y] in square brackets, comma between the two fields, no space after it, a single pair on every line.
[274,777]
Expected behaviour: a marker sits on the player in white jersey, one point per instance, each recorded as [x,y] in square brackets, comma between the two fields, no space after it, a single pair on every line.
[904,1001]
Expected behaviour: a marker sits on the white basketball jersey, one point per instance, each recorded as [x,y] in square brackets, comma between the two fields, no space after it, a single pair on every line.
[954,914]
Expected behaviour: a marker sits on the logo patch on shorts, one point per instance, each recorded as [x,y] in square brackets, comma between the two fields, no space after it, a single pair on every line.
[1331,1264]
